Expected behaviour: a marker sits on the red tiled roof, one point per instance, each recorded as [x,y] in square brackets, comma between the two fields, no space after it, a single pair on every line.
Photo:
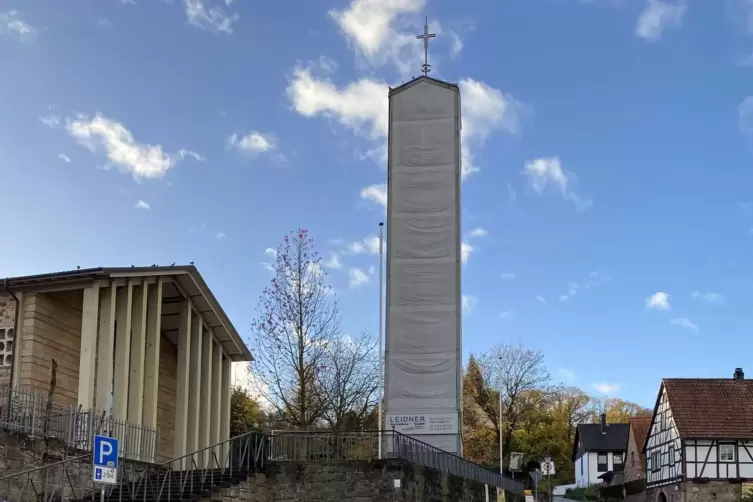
[720,408]
[640,427]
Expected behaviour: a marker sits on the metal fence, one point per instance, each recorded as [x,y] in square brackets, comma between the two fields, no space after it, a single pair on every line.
[31,414]
[319,446]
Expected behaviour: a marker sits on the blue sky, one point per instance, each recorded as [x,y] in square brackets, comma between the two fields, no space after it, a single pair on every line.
[607,205]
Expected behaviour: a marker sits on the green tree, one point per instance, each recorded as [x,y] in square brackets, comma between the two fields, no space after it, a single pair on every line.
[245,412]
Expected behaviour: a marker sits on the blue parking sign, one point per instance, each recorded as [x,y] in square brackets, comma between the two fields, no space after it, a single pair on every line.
[105,456]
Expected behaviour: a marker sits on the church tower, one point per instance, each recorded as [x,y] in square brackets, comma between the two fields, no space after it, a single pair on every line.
[423,357]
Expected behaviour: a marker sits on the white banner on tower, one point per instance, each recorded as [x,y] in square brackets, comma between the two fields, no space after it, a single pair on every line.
[423,393]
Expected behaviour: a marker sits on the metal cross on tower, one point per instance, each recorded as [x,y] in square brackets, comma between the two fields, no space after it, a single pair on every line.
[426,67]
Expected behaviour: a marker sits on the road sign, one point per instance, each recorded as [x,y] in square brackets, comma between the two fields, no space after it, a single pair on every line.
[547,467]
[516,461]
[535,476]
[105,456]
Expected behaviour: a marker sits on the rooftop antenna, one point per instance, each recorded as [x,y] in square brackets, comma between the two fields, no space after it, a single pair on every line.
[426,67]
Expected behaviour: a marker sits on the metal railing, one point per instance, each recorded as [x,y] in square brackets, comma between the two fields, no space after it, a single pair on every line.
[31,414]
[198,473]
[343,446]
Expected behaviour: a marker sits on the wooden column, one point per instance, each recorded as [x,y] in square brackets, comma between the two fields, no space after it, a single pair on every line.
[225,402]
[123,312]
[206,394]
[180,443]
[106,348]
[88,355]
[194,386]
[152,353]
[216,397]
[136,378]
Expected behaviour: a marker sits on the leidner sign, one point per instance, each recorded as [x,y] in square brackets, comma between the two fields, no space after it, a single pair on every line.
[423,423]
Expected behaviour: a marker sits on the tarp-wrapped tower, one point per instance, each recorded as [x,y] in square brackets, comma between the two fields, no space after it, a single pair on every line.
[423,393]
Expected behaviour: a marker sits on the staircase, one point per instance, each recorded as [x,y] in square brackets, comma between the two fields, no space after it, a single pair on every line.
[192,477]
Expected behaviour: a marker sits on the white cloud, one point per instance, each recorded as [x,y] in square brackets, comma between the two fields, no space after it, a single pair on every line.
[253,143]
[366,245]
[607,388]
[64,158]
[51,121]
[142,205]
[357,277]
[334,262]
[745,124]
[370,26]
[658,15]
[506,314]
[220,235]
[457,44]
[272,254]
[465,252]
[141,160]
[12,24]
[361,106]
[466,248]
[469,303]
[545,172]
[567,374]
[377,194]
[476,233]
[658,301]
[684,322]
[103,22]
[709,297]
[211,18]
[485,110]
[183,153]
[508,276]
[541,299]
[594,279]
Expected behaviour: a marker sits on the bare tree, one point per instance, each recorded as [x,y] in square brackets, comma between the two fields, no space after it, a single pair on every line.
[519,376]
[349,381]
[298,320]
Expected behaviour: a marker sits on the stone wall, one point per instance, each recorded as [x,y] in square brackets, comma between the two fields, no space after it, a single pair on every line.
[7,320]
[377,480]
[52,329]
[714,491]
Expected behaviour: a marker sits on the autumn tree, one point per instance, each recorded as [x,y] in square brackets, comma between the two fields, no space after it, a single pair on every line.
[245,412]
[538,418]
[348,382]
[509,374]
[298,320]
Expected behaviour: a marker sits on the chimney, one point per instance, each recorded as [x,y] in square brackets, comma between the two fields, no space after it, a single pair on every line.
[603,423]
[739,374]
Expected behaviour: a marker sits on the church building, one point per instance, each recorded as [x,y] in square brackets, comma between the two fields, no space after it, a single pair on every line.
[148,347]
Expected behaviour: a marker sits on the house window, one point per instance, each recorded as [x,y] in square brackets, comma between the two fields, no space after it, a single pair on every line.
[6,347]
[617,462]
[655,463]
[726,452]
[602,464]
[671,456]
[581,466]
[632,458]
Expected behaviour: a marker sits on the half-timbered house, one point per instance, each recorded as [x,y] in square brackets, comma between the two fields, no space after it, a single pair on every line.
[700,441]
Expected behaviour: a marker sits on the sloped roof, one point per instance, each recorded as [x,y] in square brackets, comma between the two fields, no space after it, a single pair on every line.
[719,408]
[615,438]
[422,78]
[640,427]
[187,277]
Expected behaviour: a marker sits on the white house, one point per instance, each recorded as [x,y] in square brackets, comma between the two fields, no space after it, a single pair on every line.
[597,449]
[701,438]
